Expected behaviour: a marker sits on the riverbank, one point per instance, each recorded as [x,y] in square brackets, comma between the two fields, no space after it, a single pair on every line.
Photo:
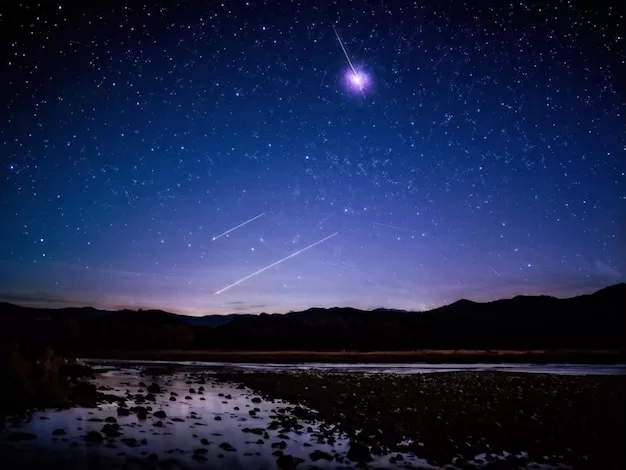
[453,417]
[460,356]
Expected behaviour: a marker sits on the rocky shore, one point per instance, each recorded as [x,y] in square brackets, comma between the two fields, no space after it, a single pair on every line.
[452,418]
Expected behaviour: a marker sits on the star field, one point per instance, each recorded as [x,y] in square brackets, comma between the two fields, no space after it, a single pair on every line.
[481,153]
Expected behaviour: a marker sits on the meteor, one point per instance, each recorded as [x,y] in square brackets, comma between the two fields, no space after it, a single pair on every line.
[235,228]
[356,79]
[344,51]
[296,253]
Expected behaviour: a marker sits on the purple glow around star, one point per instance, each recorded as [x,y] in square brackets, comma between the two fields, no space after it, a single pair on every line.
[357,81]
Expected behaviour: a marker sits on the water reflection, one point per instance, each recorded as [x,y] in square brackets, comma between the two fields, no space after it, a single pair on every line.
[222,426]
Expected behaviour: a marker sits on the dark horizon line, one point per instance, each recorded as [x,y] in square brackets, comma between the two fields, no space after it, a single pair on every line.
[313,307]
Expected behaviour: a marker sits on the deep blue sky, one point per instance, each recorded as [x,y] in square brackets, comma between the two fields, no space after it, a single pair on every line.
[485,157]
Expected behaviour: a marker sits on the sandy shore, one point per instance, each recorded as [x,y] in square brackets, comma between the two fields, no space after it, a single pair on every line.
[578,421]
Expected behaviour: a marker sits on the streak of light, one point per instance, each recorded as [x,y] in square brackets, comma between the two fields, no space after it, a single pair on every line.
[295,253]
[345,52]
[238,226]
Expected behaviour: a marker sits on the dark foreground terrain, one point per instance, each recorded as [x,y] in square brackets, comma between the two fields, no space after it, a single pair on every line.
[181,417]
[578,421]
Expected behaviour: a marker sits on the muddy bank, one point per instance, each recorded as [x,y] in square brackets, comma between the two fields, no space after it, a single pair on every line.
[578,421]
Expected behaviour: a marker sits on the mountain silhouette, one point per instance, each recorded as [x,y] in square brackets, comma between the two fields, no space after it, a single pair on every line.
[587,321]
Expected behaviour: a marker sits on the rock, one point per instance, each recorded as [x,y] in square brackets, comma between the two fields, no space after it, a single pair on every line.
[199,457]
[150,397]
[256,400]
[227,447]
[192,390]
[319,454]
[158,424]
[152,457]
[130,442]
[140,411]
[160,414]
[204,441]
[359,452]
[172,398]
[94,436]
[228,397]
[21,436]
[300,412]
[200,450]
[178,420]
[218,418]
[286,461]
[142,384]
[110,419]
[200,389]
[123,411]
[154,388]
[59,432]
[111,430]
[279,445]
[188,397]
[241,387]
[258,431]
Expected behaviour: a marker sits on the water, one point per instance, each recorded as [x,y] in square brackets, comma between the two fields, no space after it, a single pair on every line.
[219,415]
[369,368]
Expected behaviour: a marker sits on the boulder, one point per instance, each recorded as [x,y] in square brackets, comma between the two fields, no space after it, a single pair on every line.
[359,452]
[94,436]
[286,461]
[227,447]
[154,388]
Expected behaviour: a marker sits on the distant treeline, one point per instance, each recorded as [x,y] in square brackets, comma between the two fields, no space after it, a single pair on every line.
[594,321]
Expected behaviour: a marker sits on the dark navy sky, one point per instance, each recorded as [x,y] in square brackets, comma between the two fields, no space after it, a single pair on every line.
[480,153]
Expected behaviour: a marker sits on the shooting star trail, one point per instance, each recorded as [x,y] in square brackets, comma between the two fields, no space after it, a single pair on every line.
[358,79]
[235,228]
[274,264]
[344,51]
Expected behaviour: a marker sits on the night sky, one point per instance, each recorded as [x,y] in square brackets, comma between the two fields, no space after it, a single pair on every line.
[455,149]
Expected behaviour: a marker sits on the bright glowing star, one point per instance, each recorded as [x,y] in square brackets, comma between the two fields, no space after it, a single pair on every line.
[357,81]
[295,253]
[236,227]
